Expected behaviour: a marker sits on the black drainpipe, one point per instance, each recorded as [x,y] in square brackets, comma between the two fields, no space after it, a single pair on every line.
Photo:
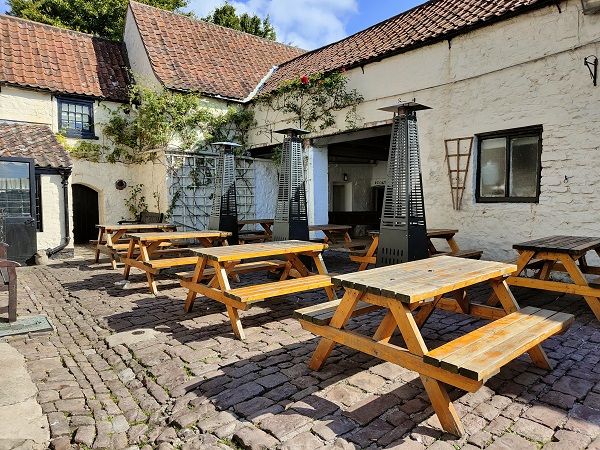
[64,175]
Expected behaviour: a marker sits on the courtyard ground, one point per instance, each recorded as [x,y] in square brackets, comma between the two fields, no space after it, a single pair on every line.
[125,369]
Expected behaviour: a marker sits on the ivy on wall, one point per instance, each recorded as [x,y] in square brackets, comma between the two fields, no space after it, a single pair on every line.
[156,120]
[310,102]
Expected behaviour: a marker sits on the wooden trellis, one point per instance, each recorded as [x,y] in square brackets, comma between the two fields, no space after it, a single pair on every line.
[458,156]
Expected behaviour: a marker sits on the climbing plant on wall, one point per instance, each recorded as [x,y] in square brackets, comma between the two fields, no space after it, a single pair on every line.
[156,120]
[310,102]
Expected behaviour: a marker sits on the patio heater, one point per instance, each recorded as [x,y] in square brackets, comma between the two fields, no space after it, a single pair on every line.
[291,217]
[403,234]
[223,215]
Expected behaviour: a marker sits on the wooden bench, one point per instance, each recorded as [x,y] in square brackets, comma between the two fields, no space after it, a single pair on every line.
[481,353]
[155,265]
[471,254]
[248,267]
[258,292]
[245,238]
[322,313]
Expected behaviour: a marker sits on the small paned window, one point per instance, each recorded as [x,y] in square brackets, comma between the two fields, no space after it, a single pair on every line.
[76,118]
[509,165]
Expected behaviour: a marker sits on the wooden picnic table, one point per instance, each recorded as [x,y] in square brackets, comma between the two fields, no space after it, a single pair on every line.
[152,245]
[370,255]
[559,254]
[408,293]
[249,235]
[225,260]
[333,232]
[109,236]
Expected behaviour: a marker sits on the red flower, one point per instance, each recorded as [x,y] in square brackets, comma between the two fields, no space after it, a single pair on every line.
[343,69]
[304,80]
[320,81]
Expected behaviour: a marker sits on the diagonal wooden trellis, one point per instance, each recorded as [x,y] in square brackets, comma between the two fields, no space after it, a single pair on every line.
[458,156]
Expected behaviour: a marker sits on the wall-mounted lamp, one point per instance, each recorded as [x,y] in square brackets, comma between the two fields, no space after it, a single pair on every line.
[591,62]
[345,177]
[590,6]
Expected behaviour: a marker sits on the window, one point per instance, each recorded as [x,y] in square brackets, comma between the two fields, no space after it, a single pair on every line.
[508,165]
[76,118]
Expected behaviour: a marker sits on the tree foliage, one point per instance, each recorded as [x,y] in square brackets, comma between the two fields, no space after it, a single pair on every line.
[154,121]
[311,101]
[226,17]
[105,18]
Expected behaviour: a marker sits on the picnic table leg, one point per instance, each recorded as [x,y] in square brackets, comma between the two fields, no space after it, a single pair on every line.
[370,252]
[425,311]
[100,236]
[578,278]
[522,262]
[339,319]
[442,405]
[232,312]
[191,296]
[510,305]
[322,270]
[130,251]
[110,240]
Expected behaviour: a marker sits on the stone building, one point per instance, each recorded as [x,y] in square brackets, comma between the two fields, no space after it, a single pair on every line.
[509,83]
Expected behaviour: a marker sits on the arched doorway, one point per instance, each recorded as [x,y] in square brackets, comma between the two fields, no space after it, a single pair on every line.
[85,214]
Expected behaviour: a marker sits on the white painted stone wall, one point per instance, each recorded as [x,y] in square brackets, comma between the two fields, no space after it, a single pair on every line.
[520,72]
[265,188]
[136,53]
[53,219]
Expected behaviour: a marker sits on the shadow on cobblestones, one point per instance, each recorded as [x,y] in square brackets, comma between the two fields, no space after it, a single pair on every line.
[186,382]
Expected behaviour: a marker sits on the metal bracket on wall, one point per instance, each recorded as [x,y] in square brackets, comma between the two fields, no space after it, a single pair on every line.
[458,156]
[591,62]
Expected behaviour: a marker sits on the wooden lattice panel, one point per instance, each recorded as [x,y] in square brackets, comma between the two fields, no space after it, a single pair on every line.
[458,156]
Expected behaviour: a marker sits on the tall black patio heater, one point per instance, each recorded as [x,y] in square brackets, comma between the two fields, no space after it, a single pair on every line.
[403,234]
[223,215]
[291,217]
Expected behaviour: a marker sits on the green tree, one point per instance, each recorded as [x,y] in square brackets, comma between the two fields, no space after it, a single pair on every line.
[226,17]
[105,18]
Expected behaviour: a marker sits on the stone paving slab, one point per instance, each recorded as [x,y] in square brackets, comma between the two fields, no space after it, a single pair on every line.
[125,369]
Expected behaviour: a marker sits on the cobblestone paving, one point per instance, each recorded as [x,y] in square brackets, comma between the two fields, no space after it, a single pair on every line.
[125,369]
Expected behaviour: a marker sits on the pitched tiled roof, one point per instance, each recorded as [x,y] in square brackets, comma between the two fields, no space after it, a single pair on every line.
[193,55]
[33,141]
[61,61]
[422,25]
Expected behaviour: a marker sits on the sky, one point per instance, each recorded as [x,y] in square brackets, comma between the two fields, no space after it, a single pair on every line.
[308,24]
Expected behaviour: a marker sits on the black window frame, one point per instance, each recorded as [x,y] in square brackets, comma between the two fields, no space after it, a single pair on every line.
[508,135]
[73,132]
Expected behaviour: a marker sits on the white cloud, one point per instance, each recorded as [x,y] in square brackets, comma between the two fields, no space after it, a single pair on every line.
[308,24]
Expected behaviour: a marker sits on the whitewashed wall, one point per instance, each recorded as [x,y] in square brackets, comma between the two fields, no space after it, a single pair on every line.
[265,188]
[520,72]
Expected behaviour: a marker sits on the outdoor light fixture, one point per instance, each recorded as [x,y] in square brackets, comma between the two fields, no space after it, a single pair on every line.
[291,217]
[403,234]
[223,215]
[590,6]
[591,62]
[345,177]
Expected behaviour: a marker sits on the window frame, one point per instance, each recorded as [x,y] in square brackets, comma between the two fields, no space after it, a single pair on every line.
[72,132]
[508,135]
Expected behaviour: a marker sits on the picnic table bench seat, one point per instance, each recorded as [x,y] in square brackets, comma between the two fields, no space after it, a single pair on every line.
[257,292]
[245,238]
[155,265]
[481,353]
[322,313]
[247,267]
[361,255]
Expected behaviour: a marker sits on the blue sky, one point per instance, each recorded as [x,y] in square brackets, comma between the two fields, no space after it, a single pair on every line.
[309,23]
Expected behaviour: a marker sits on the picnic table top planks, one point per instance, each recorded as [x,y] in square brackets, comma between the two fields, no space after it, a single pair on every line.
[258,250]
[418,280]
[173,235]
[571,245]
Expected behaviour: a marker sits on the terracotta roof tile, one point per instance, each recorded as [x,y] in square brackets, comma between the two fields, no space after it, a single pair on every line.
[62,61]
[193,55]
[436,19]
[33,141]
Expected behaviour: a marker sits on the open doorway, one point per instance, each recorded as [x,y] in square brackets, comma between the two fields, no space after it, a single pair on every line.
[342,197]
[85,214]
